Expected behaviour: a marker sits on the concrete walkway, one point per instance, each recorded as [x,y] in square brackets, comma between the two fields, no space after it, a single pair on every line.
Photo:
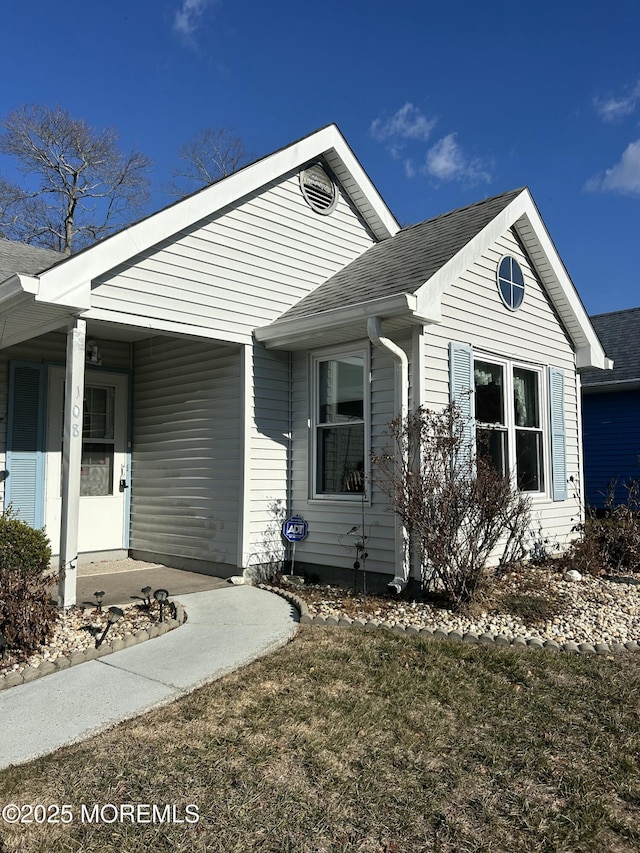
[226,629]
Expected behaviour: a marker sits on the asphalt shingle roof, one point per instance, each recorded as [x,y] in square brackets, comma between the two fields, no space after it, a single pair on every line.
[22,258]
[403,263]
[619,334]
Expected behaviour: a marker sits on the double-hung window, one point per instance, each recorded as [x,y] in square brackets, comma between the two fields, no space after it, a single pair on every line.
[509,428]
[339,424]
[516,414]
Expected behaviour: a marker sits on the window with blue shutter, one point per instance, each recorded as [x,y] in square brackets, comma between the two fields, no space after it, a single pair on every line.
[502,404]
[24,484]
[461,386]
[558,434]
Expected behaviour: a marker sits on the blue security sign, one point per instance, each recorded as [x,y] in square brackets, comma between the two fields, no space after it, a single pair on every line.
[295,529]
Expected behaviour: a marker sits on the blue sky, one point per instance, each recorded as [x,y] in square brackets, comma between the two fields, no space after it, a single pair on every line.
[443,104]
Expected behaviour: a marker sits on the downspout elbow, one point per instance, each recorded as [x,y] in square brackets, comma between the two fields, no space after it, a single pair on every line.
[374,330]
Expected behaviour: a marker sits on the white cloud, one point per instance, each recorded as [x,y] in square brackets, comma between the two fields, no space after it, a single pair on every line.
[612,109]
[404,135]
[446,161]
[187,19]
[407,123]
[622,178]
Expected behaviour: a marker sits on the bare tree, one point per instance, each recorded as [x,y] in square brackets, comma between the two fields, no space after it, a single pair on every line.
[460,511]
[209,155]
[78,184]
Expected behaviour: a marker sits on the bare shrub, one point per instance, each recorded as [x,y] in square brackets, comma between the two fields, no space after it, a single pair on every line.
[459,510]
[610,538]
[27,612]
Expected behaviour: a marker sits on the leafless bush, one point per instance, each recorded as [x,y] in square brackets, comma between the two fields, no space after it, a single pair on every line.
[459,510]
[27,612]
[610,538]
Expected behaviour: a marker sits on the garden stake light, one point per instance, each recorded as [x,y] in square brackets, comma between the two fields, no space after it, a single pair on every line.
[115,613]
[99,596]
[146,591]
[161,595]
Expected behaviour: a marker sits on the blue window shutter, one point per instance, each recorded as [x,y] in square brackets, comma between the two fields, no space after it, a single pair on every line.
[558,434]
[461,386]
[24,485]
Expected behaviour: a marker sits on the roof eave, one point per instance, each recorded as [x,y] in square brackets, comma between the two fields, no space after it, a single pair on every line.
[295,333]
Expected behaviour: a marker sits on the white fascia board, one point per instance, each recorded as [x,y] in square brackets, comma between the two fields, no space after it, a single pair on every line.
[561,290]
[159,327]
[430,294]
[79,269]
[523,214]
[285,332]
[17,286]
[587,357]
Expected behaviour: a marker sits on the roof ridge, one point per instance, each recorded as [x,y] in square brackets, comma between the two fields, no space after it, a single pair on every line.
[513,192]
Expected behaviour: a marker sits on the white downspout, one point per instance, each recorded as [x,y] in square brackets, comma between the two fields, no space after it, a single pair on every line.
[401,389]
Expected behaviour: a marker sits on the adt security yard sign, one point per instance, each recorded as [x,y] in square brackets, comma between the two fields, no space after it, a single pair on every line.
[295,529]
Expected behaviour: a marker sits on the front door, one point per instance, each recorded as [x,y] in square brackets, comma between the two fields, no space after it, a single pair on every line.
[104,476]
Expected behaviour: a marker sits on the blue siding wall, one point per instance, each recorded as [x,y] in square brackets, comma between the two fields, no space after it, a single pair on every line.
[611,430]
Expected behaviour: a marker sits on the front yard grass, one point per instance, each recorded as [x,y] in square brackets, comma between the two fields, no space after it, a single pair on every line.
[348,741]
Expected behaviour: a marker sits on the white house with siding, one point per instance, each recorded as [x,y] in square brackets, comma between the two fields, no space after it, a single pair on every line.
[175,390]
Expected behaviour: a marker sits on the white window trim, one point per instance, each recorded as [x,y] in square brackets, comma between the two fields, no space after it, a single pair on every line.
[328,354]
[508,366]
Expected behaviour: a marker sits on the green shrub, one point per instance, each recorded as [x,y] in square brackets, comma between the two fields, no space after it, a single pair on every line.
[22,548]
[27,611]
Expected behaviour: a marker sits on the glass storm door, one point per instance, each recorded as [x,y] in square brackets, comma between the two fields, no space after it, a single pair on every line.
[104,474]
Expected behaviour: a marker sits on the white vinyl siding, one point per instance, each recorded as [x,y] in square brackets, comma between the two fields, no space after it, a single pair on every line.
[185,479]
[267,442]
[237,271]
[473,314]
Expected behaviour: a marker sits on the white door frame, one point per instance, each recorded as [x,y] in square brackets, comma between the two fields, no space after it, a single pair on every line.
[103,520]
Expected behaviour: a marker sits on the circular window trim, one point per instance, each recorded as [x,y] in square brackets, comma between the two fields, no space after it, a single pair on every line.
[316,196]
[517,296]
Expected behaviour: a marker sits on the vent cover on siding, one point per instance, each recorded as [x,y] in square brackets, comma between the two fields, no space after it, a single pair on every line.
[318,189]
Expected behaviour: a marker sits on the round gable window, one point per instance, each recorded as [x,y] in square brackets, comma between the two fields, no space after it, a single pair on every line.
[318,189]
[510,282]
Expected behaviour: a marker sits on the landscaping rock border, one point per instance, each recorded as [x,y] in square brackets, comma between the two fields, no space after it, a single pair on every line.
[30,673]
[436,633]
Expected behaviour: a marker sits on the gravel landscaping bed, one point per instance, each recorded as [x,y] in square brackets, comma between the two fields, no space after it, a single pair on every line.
[76,631]
[532,603]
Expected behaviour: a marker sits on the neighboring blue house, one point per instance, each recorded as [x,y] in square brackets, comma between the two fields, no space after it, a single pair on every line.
[611,409]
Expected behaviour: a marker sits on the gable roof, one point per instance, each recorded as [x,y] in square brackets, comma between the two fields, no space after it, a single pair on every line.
[619,332]
[69,283]
[405,263]
[402,280]
[20,257]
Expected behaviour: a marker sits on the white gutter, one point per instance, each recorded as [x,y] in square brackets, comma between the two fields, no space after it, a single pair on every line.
[283,333]
[16,287]
[401,386]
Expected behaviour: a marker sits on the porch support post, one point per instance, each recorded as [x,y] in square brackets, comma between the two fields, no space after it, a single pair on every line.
[71,459]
